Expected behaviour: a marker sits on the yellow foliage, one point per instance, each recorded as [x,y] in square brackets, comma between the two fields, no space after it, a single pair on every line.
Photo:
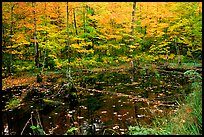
[171,56]
[162,57]
[76,46]
[149,57]
[102,47]
[132,46]
[155,58]
[116,46]
[125,59]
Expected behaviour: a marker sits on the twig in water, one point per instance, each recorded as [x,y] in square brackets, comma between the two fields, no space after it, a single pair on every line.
[32,121]
[26,124]
[39,122]
[110,130]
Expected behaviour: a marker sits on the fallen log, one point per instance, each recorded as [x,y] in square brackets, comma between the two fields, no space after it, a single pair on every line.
[134,98]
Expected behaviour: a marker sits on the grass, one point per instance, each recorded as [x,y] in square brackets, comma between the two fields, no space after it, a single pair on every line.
[136,130]
[39,131]
[185,65]
[186,121]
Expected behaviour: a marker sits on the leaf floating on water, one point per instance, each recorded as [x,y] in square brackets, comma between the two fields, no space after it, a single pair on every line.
[160,110]
[122,129]
[91,94]
[119,115]
[116,127]
[119,118]
[115,113]
[139,116]
[103,112]
[74,110]
[134,83]
[161,94]
[80,117]
[143,108]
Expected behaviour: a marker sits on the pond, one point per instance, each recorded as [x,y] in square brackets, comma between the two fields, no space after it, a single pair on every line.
[100,103]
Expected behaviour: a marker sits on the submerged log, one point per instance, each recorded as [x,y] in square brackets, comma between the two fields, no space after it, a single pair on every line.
[178,69]
[135,98]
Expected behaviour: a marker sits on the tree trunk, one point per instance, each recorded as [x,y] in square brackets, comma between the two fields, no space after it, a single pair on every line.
[133,21]
[45,53]
[178,53]
[84,21]
[39,76]
[35,37]
[68,73]
[75,25]
[11,43]
[68,39]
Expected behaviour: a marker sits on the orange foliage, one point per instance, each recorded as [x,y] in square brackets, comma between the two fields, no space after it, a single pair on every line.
[10,82]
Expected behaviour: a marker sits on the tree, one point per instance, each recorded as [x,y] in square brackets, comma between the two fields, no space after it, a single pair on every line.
[104,32]
[68,74]
[11,35]
[35,38]
[133,21]
[39,77]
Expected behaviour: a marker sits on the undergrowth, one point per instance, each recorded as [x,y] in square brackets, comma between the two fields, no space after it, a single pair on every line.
[188,118]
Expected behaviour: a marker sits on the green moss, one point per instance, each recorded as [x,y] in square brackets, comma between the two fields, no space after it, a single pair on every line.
[13,103]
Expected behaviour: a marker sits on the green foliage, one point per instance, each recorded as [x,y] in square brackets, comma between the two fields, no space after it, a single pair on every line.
[193,106]
[193,75]
[52,102]
[188,118]
[38,130]
[136,130]
[157,75]
[184,65]
[13,103]
[70,130]
[195,101]
[145,58]
[99,31]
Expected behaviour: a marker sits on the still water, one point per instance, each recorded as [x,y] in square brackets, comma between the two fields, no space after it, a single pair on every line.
[100,103]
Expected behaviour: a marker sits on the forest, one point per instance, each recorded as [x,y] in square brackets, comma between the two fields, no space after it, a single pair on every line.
[101,68]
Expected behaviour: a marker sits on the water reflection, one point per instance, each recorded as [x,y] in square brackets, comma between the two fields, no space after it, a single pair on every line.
[99,113]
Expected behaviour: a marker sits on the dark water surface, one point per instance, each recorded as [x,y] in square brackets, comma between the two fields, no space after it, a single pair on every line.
[96,112]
